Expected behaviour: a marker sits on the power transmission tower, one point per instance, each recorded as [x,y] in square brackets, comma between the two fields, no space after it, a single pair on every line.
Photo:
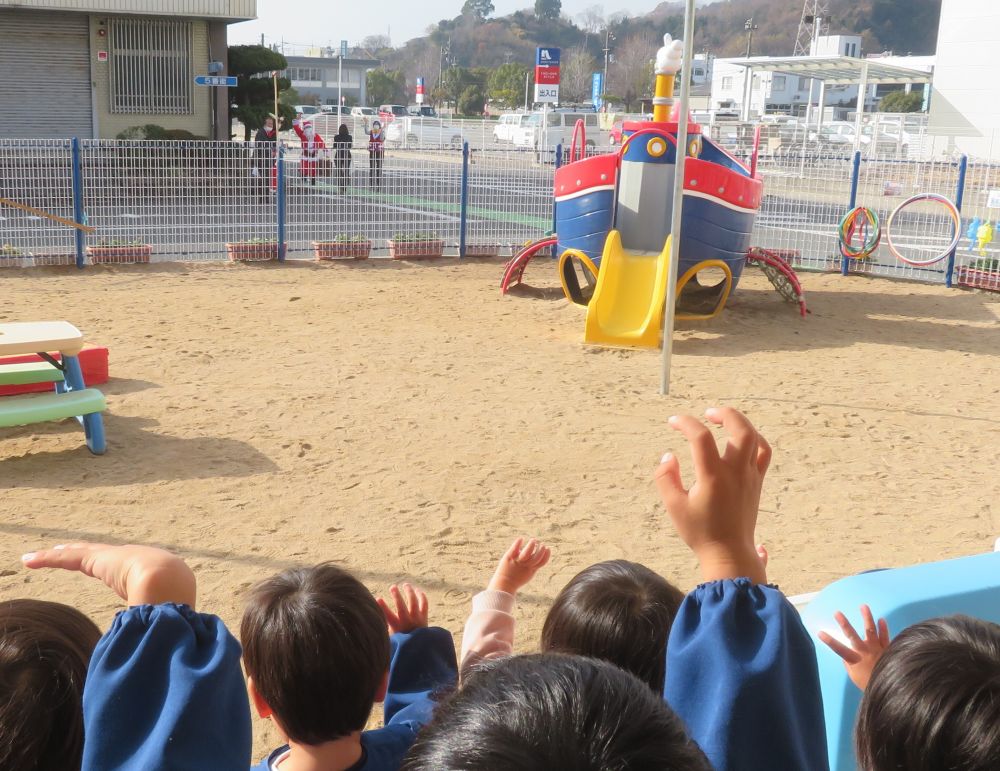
[811,11]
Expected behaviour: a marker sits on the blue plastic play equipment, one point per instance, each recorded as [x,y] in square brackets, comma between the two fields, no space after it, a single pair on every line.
[904,596]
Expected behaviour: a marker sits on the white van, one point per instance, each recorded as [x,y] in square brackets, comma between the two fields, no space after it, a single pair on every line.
[507,125]
[556,128]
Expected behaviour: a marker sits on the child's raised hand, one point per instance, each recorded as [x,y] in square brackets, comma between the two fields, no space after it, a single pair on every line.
[411,608]
[860,659]
[140,575]
[519,564]
[717,516]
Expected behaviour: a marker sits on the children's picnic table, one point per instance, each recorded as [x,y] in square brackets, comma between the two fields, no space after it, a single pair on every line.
[71,397]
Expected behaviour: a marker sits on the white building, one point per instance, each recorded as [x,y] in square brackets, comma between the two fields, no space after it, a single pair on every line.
[965,97]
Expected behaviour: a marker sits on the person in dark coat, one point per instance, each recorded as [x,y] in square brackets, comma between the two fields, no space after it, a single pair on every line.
[265,153]
[342,144]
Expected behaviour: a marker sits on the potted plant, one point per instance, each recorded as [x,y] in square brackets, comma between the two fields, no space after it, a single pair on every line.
[117,250]
[10,256]
[415,246]
[343,246]
[983,274]
[482,250]
[252,250]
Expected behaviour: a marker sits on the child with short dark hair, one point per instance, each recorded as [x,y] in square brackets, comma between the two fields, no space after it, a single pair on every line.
[318,657]
[553,711]
[931,695]
[45,649]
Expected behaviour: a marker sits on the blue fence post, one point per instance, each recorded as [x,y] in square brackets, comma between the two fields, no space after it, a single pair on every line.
[963,166]
[463,221]
[281,203]
[845,262]
[78,214]
[558,165]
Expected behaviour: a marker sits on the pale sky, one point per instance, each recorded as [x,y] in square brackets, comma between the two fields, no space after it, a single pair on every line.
[326,22]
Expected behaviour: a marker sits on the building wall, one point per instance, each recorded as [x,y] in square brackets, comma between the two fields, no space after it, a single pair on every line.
[221,9]
[353,83]
[109,124]
[965,98]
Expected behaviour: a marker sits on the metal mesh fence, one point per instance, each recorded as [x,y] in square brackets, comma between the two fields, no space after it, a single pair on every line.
[510,199]
[152,201]
[36,174]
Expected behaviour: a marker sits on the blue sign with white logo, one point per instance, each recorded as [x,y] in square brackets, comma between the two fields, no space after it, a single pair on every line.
[229,81]
[596,90]
[546,57]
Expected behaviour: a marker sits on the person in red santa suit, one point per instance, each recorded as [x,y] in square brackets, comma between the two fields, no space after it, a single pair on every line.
[312,146]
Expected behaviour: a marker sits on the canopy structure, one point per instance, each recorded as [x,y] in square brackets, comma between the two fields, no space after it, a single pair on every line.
[838,70]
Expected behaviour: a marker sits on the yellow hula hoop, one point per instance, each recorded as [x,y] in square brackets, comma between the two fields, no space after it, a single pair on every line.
[956,220]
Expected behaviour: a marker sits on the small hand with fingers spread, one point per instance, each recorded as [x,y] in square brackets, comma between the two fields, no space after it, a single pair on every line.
[411,608]
[140,575]
[716,517]
[519,564]
[860,659]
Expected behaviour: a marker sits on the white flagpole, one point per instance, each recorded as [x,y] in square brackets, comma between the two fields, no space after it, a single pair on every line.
[675,241]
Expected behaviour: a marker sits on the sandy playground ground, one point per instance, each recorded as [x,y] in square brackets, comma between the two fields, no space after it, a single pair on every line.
[406,421]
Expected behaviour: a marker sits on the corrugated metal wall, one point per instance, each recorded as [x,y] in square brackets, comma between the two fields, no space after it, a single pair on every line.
[222,9]
[45,87]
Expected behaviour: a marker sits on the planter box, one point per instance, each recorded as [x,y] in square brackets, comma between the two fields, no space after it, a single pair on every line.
[482,250]
[40,260]
[119,254]
[252,252]
[980,279]
[416,250]
[342,250]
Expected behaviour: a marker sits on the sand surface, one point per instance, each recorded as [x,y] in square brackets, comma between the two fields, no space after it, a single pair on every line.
[406,421]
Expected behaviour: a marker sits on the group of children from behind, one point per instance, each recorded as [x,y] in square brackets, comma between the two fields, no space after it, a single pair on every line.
[631,673]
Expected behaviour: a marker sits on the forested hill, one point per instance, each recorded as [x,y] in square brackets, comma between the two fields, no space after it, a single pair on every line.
[477,40]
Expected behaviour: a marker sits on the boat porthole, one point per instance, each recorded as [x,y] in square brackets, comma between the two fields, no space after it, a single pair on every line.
[694,147]
[656,147]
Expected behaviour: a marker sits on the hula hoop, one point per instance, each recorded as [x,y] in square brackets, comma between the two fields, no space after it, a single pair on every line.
[864,222]
[956,220]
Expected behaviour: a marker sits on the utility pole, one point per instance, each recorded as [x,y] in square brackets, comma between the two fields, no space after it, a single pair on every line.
[749,26]
[608,37]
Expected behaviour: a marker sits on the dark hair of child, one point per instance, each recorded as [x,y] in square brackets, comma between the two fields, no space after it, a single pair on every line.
[548,711]
[618,611]
[45,649]
[316,645]
[933,701]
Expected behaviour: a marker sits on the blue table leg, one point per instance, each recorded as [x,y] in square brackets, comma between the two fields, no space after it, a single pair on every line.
[93,424]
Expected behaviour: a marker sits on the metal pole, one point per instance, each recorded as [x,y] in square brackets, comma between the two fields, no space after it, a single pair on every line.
[678,202]
[862,88]
[558,165]
[78,215]
[845,262]
[527,77]
[281,202]
[963,166]
[607,48]
[340,80]
[465,200]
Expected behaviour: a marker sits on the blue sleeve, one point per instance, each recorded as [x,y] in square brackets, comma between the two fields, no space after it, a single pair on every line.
[421,662]
[742,674]
[165,691]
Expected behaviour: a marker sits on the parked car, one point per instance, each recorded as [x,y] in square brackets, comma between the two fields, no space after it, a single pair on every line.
[307,110]
[422,111]
[387,113]
[363,112]
[413,132]
[556,128]
[506,125]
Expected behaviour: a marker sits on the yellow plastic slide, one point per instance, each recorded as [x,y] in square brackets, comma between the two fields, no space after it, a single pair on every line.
[627,306]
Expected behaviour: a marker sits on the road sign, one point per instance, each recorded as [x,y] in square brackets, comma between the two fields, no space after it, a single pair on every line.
[546,94]
[597,90]
[547,76]
[546,57]
[228,81]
